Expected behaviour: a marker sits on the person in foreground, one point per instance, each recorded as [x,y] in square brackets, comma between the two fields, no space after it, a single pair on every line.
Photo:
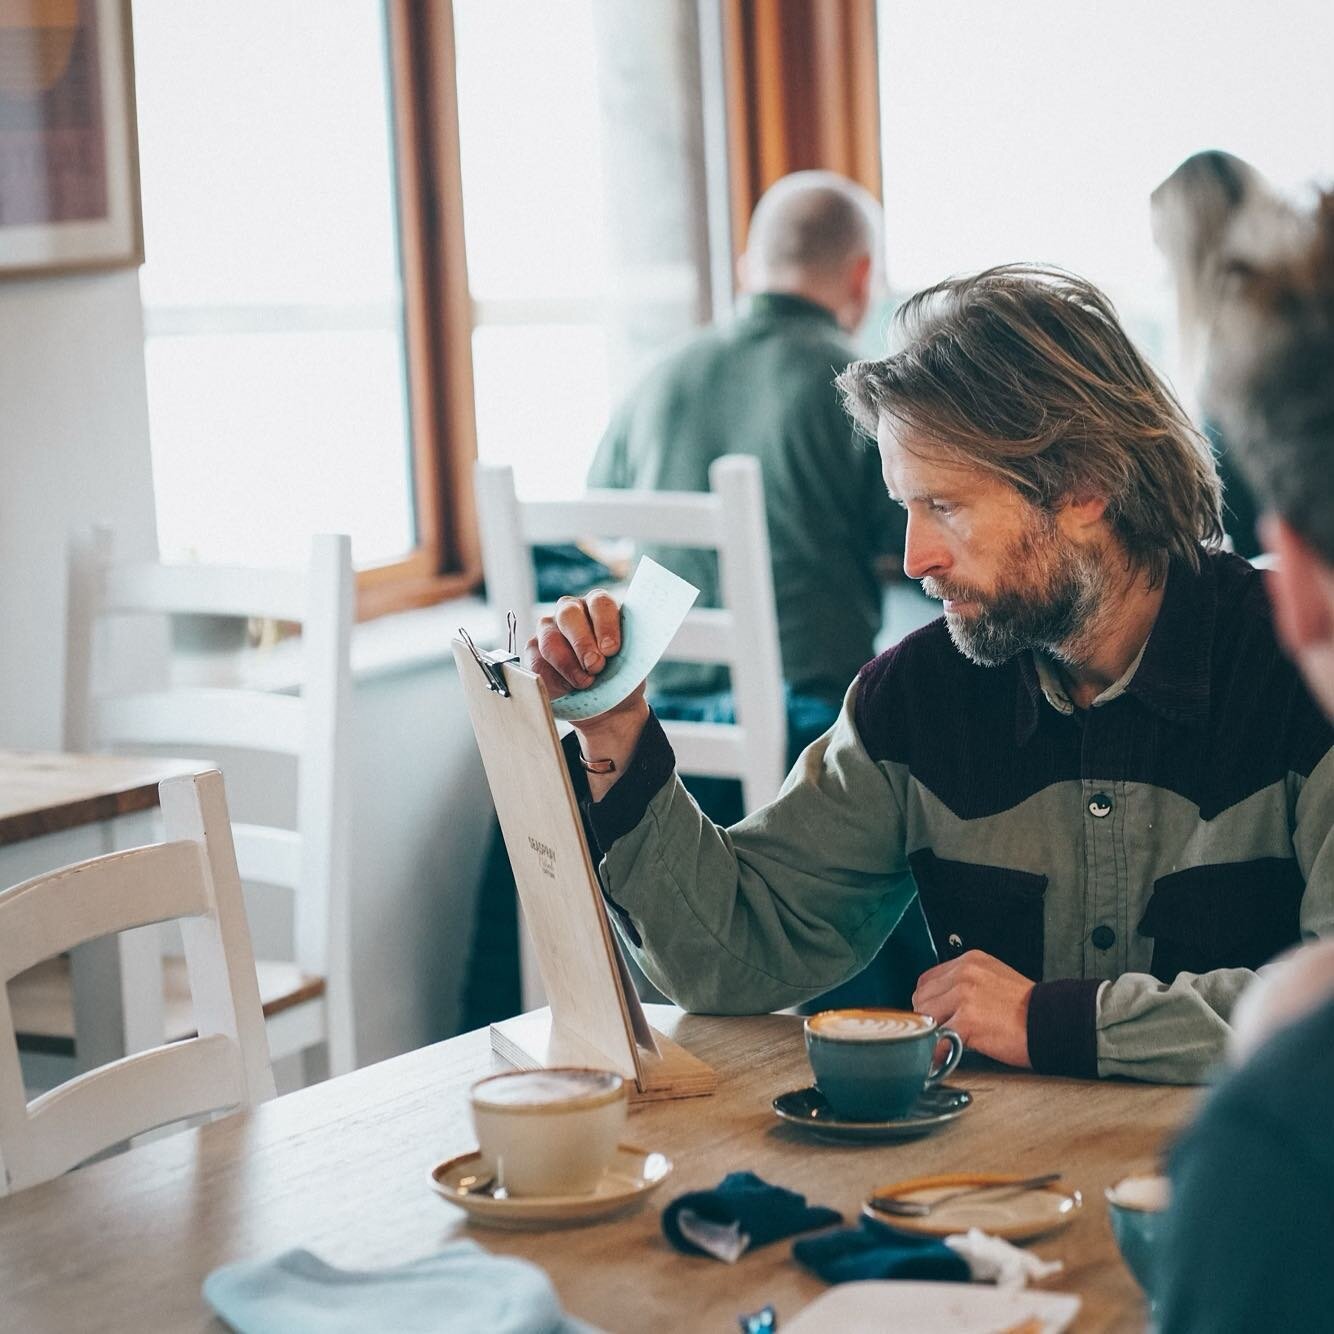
[1107,785]
[1250,1231]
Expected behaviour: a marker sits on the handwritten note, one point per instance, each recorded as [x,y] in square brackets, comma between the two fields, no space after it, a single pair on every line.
[655,605]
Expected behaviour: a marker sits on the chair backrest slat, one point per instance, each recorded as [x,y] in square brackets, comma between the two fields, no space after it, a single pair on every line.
[204,590]
[129,1097]
[52,913]
[672,518]
[713,750]
[204,717]
[267,855]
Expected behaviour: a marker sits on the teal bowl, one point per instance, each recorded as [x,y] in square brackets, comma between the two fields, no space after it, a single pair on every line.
[1137,1210]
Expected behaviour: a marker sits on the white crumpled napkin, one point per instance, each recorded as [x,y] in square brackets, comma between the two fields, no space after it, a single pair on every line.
[995,1260]
[723,1241]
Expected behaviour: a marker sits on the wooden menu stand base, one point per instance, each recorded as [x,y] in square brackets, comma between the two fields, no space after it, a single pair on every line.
[531,1042]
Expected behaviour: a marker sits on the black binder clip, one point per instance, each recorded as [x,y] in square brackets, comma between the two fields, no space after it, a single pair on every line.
[491,663]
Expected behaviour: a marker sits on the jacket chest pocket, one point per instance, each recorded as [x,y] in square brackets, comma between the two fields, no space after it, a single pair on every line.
[1235,915]
[988,908]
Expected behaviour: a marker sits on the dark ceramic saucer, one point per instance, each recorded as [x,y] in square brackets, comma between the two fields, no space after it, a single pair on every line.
[807,1108]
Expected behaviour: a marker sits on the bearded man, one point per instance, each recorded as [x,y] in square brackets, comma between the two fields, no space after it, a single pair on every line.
[1109,788]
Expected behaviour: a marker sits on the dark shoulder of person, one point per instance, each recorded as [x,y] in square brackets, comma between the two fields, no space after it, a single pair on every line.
[1251,1231]
[1255,686]
[1288,1085]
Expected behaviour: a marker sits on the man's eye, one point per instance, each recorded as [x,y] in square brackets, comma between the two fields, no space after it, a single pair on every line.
[943,507]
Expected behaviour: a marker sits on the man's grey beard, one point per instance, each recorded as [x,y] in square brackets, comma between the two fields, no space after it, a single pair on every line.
[1052,618]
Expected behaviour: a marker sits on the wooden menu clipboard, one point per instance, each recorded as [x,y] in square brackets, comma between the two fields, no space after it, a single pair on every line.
[593,1017]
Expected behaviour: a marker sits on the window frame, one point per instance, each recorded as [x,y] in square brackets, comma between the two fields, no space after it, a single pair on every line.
[437,322]
[800,91]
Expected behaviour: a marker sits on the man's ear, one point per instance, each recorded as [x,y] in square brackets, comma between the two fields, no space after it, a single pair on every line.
[1080,513]
[1301,587]
[859,278]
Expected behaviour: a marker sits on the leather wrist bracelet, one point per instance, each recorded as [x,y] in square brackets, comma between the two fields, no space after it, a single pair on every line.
[597,766]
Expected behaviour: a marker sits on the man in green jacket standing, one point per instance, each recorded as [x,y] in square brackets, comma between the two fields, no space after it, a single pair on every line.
[764,386]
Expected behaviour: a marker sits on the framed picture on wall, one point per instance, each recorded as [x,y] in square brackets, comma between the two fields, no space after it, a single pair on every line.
[69,176]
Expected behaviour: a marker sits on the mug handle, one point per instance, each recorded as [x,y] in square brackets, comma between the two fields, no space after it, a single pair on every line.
[953,1059]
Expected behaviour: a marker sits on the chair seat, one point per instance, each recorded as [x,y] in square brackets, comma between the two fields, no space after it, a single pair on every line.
[41,1000]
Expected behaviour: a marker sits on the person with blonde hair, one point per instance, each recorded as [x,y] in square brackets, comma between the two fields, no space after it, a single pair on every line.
[1109,790]
[1250,1230]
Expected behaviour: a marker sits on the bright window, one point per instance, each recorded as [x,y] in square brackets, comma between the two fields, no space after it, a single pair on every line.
[583,196]
[1036,129]
[272,298]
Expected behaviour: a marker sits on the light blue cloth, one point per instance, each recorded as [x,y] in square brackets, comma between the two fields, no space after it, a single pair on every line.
[462,1288]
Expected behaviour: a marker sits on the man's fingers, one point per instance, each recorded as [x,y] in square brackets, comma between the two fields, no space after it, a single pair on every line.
[605,614]
[572,618]
[557,686]
[935,982]
[556,649]
[938,970]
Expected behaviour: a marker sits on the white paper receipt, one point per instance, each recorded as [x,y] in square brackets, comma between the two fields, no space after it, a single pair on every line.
[655,605]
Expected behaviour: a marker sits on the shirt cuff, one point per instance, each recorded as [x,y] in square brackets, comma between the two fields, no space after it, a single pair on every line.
[650,767]
[1062,1027]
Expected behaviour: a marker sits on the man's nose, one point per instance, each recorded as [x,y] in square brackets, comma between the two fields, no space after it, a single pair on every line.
[924,553]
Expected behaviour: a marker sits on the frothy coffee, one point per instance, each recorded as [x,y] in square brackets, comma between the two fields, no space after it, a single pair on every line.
[545,1088]
[1149,1194]
[869,1025]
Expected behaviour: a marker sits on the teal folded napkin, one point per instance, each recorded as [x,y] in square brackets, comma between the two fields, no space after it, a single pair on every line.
[463,1287]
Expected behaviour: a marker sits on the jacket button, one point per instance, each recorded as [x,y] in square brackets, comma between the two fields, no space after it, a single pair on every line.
[1103,937]
[1100,805]
[955,942]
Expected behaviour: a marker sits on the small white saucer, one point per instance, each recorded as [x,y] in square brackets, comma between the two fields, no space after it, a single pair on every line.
[1018,1215]
[632,1175]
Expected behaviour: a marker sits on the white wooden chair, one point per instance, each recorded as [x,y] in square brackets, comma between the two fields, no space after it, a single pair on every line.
[307,1000]
[742,633]
[190,877]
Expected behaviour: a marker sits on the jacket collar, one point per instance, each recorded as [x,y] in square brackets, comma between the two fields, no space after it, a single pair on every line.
[1171,675]
[785,305]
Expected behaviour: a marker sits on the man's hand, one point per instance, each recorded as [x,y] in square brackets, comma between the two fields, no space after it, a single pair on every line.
[572,647]
[983,1000]
[568,652]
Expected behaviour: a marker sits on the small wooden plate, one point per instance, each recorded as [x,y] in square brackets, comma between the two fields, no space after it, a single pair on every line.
[632,1176]
[1016,1216]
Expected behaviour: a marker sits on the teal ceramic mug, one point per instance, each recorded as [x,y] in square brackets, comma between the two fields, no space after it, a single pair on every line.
[1137,1208]
[872,1065]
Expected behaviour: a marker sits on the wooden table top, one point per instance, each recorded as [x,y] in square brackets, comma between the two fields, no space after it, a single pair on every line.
[44,792]
[341,1168]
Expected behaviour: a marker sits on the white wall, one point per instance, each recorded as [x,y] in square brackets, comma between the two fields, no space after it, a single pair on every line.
[73,451]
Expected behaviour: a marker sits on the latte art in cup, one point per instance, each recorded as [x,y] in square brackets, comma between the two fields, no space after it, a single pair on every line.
[869,1025]
[547,1088]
